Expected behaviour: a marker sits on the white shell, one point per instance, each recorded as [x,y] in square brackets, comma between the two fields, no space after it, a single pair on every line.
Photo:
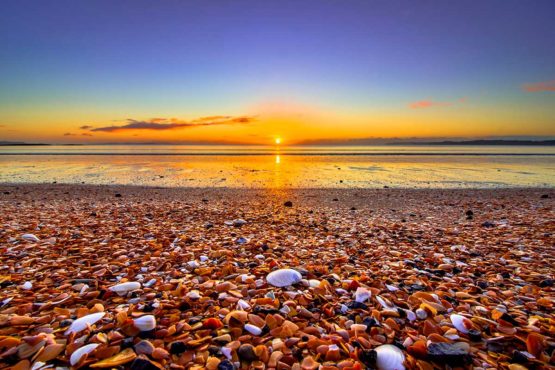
[284,277]
[254,330]
[243,305]
[389,357]
[421,313]
[313,283]
[83,322]
[193,294]
[458,322]
[30,237]
[80,352]
[384,303]
[124,288]
[362,294]
[27,285]
[145,323]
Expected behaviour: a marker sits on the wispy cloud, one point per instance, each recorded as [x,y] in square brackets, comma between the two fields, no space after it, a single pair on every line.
[86,134]
[86,127]
[161,124]
[428,103]
[539,86]
[69,134]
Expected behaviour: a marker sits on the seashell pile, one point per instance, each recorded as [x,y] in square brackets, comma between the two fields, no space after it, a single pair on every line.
[408,281]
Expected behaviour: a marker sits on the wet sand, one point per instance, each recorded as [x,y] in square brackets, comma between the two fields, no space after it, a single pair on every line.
[451,278]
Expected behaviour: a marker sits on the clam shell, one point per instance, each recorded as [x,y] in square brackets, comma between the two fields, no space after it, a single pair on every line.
[461,323]
[389,357]
[80,352]
[124,288]
[284,277]
[145,323]
[83,322]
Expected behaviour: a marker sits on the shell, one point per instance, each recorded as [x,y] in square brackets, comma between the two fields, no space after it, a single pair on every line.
[27,285]
[124,288]
[145,323]
[362,294]
[389,357]
[83,322]
[30,238]
[284,277]
[121,358]
[253,329]
[461,323]
[80,352]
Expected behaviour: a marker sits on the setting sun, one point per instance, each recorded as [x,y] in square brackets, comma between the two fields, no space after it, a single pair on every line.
[278,140]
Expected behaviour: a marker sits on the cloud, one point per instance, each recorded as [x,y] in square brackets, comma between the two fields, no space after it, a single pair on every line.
[86,134]
[162,124]
[86,127]
[539,86]
[69,134]
[428,103]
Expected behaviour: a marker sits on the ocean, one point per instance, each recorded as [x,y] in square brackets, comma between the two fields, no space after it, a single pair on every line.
[282,167]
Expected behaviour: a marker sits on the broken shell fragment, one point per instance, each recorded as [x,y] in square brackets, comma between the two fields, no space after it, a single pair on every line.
[78,354]
[124,288]
[389,357]
[84,322]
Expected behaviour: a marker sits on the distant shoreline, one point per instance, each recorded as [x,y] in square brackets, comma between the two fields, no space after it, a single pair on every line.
[362,142]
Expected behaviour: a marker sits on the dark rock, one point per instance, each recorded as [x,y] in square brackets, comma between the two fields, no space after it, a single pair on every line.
[545,196]
[488,224]
[226,365]
[177,347]
[288,204]
[453,354]
[546,283]
[469,213]
[368,358]
[208,225]
[335,199]
[118,195]
[356,305]
[506,275]
[475,335]
[246,353]
[143,363]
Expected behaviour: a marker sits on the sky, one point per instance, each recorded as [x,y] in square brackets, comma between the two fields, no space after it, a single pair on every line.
[251,71]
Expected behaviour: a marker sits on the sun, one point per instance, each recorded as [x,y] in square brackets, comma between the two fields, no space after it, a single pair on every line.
[278,140]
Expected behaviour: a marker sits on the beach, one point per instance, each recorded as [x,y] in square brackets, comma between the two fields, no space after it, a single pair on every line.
[155,277]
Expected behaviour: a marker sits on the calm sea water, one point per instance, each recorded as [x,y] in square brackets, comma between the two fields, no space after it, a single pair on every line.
[258,166]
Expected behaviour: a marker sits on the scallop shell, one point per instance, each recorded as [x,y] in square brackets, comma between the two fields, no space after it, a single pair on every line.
[80,352]
[30,238]
[83,322]
[461,323]
[145,323]
[284,277]
[389,357]
[124,288]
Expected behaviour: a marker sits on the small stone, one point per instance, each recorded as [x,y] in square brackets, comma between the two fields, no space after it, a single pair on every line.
[144,347]
[452,354]
[144,363]
[226,365]
[160,354]
[246,353]
[288,204]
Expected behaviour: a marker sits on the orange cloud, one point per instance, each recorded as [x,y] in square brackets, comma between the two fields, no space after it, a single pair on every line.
[427,104]
[161,124]
[539,86]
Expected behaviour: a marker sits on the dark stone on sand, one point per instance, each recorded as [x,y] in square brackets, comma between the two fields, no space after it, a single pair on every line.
[246,353]
[226,365]
[335,199]
[177,347]
[356,305]
[488,224]
[208,225]
[118,195]
[546,283]
[453,354]
[368,358]
[545,196]
[474,335]
[288,204]
[469,213]
[143,363]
